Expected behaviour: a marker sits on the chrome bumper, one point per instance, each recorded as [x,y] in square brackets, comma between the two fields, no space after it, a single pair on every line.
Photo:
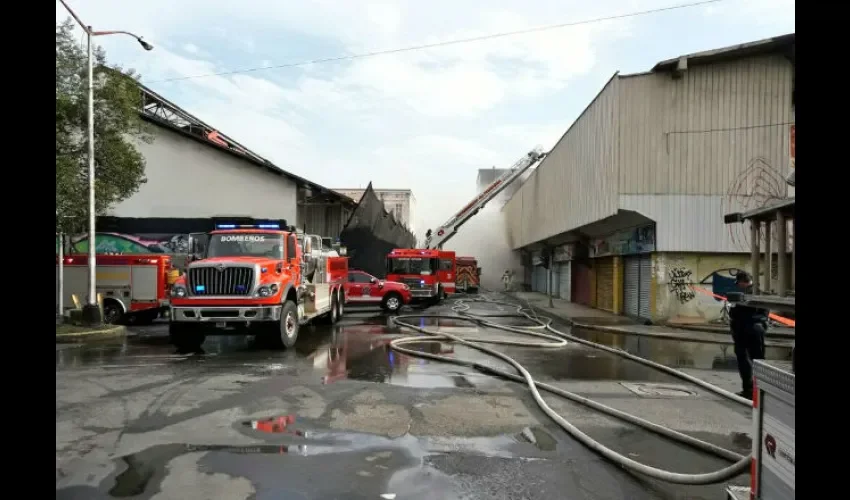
[229,314]
[418,294]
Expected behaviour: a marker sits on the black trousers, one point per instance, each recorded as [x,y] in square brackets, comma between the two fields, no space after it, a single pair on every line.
[749,345]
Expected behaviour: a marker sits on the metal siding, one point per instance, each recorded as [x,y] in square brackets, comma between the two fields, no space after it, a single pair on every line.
[686,223]
[645,283]
[699,134]
[188,179]
[605,283]
[631,286]
[564,281]
[577,183]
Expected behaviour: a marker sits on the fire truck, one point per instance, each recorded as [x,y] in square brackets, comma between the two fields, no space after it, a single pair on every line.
[430,274]
[132,286]
[256,277]
[468,274]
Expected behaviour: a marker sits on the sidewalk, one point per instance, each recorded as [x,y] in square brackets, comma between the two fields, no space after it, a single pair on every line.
[588,318]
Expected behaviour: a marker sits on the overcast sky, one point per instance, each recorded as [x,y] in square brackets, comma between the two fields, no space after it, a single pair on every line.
[424,120]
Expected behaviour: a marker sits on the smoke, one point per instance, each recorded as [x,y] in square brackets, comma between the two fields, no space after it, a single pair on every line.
[485,237]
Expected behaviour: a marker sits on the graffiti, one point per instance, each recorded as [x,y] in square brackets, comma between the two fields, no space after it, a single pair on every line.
[133,244]
[757,186]
[627,242]
[680,284]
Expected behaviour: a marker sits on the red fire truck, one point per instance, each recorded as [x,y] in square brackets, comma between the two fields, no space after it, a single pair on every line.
[133,286]
[468,274]
[430,274]
[256,277]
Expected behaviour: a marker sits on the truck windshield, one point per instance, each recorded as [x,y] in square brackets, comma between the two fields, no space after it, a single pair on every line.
[405,265]
[246,245]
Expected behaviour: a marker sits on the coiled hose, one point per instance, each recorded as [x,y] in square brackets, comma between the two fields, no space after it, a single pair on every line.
[556,338]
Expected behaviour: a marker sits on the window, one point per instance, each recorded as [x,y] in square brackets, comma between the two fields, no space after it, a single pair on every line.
[445,264]
[359,278]
[246,245]
[291,245]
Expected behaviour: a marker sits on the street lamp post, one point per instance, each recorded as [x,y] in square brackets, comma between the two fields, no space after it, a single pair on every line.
[91,311]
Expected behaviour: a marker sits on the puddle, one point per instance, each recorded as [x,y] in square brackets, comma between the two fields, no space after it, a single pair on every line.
[539,438]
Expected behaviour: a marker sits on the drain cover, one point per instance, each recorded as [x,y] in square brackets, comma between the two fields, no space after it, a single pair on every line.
[658,390]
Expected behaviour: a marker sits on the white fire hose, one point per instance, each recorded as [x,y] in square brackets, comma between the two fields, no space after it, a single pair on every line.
[554,339]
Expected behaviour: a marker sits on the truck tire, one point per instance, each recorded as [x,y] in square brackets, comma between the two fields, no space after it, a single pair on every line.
[340,303]
[392,302]
[333,314]
[113,313]
[186,337]
[288,328]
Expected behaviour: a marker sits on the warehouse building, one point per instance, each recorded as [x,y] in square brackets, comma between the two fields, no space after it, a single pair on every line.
[195,171]
[628,206]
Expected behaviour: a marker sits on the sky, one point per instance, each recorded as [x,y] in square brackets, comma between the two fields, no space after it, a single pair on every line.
[424,120]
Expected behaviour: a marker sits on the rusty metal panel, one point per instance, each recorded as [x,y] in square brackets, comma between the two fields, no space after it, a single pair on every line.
[714,129]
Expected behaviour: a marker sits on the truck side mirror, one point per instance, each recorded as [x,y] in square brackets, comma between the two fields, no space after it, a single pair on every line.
[373,280]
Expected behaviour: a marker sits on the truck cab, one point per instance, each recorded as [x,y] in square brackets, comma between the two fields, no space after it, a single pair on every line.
[256,277]
[429,273]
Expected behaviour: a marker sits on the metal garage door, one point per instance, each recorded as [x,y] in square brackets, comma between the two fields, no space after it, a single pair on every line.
[605,283]
[556,286]
[564,281]
[631,285]
[644,310]
[581,290]
[540,273]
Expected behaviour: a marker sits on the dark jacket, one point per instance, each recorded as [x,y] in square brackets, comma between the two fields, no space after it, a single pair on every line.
[744,316]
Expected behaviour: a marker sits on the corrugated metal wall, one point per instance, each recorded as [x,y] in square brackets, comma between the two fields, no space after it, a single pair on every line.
[697,135]
[325,220]
[577,183]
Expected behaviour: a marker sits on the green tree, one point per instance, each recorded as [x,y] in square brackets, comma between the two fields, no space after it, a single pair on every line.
[119,167]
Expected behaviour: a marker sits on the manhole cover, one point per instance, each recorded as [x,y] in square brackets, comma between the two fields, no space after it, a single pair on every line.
[658,390]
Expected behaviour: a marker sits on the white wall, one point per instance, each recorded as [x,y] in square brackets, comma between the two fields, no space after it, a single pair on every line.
[190,179]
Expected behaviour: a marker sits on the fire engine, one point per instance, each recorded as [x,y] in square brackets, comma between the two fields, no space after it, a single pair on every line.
[429,273]
[468,274]
[256,277]
[131,285]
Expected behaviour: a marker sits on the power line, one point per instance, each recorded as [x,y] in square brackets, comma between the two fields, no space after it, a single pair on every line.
[445,43]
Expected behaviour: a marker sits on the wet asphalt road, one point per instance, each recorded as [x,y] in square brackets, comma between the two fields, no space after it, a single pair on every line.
[341,416]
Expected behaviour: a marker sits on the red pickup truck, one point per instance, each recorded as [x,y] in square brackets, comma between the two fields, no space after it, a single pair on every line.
[363,289]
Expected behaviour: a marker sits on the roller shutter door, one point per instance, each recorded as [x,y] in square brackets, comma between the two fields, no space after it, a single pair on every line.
[581,290]
[540,272]
[564,281]
[556,278]
[605,283]
[644,310]
[631,286]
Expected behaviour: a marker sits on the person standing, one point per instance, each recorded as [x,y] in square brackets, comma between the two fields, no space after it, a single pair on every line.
[749,326]
[506,279]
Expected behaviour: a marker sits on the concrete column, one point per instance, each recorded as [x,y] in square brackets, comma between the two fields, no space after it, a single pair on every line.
[755,256]
[768,257]
[782,252]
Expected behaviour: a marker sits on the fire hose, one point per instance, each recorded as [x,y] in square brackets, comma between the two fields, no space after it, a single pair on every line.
[557,338]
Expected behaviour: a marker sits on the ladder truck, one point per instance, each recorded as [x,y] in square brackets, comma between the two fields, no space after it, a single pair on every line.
[450,227]
[430,272]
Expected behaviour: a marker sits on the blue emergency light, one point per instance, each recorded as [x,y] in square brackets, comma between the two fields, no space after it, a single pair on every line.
[200,288]
[248,223]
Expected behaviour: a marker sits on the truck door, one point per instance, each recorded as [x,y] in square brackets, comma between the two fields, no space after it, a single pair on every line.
[356,283]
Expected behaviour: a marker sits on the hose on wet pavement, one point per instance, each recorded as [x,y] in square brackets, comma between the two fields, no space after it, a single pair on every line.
[556,338]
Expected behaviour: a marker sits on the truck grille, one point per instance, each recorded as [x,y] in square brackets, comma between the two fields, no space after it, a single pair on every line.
[414,283]
[216,281]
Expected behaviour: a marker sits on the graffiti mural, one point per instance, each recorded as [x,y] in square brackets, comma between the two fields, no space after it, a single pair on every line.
[627,242]
[680,284]
[127,243]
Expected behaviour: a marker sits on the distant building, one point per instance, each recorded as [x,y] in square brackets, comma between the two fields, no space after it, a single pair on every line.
[399,202]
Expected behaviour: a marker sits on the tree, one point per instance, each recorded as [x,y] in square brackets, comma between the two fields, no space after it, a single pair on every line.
[119,166]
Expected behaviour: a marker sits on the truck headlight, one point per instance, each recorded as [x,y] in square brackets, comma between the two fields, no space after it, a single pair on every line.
[268,290]
[178,291]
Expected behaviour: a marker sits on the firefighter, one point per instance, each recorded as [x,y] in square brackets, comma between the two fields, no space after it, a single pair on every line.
[506,279]
[748,325]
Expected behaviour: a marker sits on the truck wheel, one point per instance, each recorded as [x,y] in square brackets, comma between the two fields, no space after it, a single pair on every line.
[392,302]
[187,338]
[340,303]
[333,315]
[288,330]
[112,312]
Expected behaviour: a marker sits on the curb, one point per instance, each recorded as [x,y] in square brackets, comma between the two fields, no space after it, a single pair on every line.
[93,335]
[708,329]
[623,330]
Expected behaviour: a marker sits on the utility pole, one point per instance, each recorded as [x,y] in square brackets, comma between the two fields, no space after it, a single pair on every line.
[91,311]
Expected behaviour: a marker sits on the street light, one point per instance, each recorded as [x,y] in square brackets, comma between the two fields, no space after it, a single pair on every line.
[91,311]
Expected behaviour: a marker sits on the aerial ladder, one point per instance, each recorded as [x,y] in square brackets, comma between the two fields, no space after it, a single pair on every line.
[450,227]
